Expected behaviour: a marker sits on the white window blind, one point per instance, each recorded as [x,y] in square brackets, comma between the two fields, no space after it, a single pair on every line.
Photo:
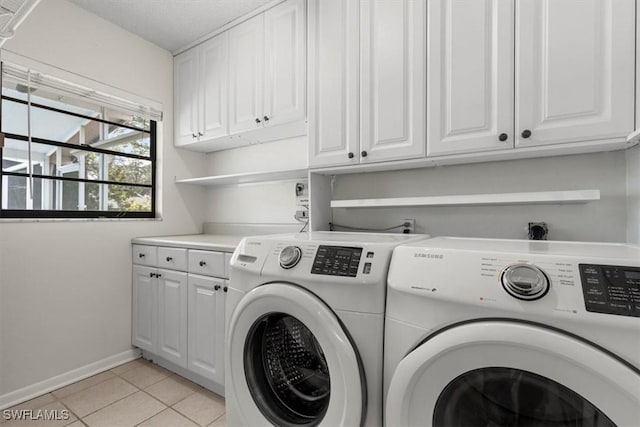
[38,80]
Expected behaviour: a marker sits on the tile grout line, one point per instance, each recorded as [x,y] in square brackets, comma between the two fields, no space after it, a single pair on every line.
[112,403]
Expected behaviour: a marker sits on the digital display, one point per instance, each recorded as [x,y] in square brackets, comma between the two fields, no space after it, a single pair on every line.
[611,289]
[337,261]
[633,275]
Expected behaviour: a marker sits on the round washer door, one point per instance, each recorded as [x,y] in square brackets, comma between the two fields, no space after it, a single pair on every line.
[291,363]
[510,373]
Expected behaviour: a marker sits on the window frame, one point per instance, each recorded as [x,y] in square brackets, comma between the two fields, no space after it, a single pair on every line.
[80,214]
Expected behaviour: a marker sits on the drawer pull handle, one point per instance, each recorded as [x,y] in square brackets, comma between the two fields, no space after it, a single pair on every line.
[169,259]
[152,275]
[158,275]
[202,263]
[216,287]
[141,255]
[225,289]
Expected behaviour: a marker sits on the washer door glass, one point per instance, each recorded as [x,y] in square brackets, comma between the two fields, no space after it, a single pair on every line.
[512,397]
[286,371]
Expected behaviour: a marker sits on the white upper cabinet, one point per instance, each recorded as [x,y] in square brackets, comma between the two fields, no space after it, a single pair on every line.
[245,85]
[200,79]
[393,74]
[285,58]
[186,97]
[574,70]
[214,87]
[333,82]
[367,81]
[470,79]
[246,75]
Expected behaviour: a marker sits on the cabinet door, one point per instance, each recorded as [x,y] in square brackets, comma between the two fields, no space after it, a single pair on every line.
[333,82]
[285,37]
[246,75]
[470,75]
[172,316]
[392,89]
[186,97]
[144,308]
[214,87]
[206,327]
[574,70]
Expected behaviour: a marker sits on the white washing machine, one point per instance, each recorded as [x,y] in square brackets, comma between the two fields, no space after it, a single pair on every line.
[305,325]
[513,333]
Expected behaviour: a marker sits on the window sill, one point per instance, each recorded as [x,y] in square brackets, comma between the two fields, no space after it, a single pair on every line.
[19,220]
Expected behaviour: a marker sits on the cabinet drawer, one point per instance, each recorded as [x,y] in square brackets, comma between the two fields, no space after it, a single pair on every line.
[207,263]
[172,258]
[144,255]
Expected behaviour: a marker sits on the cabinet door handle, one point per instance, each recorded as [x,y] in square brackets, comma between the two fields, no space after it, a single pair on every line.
[526,133]
[503,137]
[202,263]
[152,275]
[216,287]
[141,255]
[363,154]
[225,289]
[258,121]
[350,155]
[200,134]
[193,135]
[158,275]
[266,118]
[169,259]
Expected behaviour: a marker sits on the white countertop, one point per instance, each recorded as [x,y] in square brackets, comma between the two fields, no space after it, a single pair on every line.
[210,242]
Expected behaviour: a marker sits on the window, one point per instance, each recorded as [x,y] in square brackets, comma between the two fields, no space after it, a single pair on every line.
[71,152]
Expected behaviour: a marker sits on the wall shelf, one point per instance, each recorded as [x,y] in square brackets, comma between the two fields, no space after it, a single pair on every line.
[530,198]
[246,178]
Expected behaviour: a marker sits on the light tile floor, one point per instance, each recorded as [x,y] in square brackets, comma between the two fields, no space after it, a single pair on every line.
[137,393]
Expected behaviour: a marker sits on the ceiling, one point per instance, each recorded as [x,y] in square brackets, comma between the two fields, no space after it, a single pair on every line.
[171,24]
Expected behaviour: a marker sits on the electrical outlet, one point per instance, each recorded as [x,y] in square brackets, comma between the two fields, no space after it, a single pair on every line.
[409,226]
[302,194]
[302,215]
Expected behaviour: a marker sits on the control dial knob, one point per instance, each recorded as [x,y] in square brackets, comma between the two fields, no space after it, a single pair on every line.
[289,257]
[525,282]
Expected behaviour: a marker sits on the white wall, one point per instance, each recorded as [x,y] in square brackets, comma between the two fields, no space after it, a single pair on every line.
[604,220]
[633,195]
[272,203]
[65,287]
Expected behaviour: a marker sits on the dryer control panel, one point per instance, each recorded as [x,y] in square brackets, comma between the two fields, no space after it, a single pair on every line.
[337,261]
[611,289]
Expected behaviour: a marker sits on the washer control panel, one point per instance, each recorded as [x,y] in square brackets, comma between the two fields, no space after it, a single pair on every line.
[611,289]
[337,261]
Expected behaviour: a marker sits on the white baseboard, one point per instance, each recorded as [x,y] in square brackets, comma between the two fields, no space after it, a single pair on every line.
[38,389]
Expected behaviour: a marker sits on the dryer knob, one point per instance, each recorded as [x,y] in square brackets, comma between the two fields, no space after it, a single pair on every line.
[289,257]
[525,282]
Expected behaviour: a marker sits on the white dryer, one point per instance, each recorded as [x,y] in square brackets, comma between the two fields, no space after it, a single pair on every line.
[305,325]
[513,333]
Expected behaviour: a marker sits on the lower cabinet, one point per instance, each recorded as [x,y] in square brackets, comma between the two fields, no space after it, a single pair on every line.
[172,316]
[206,327]
[144,308]
[179,316]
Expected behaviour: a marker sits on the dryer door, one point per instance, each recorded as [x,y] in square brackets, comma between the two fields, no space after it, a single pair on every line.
[498,373]
[291,363]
